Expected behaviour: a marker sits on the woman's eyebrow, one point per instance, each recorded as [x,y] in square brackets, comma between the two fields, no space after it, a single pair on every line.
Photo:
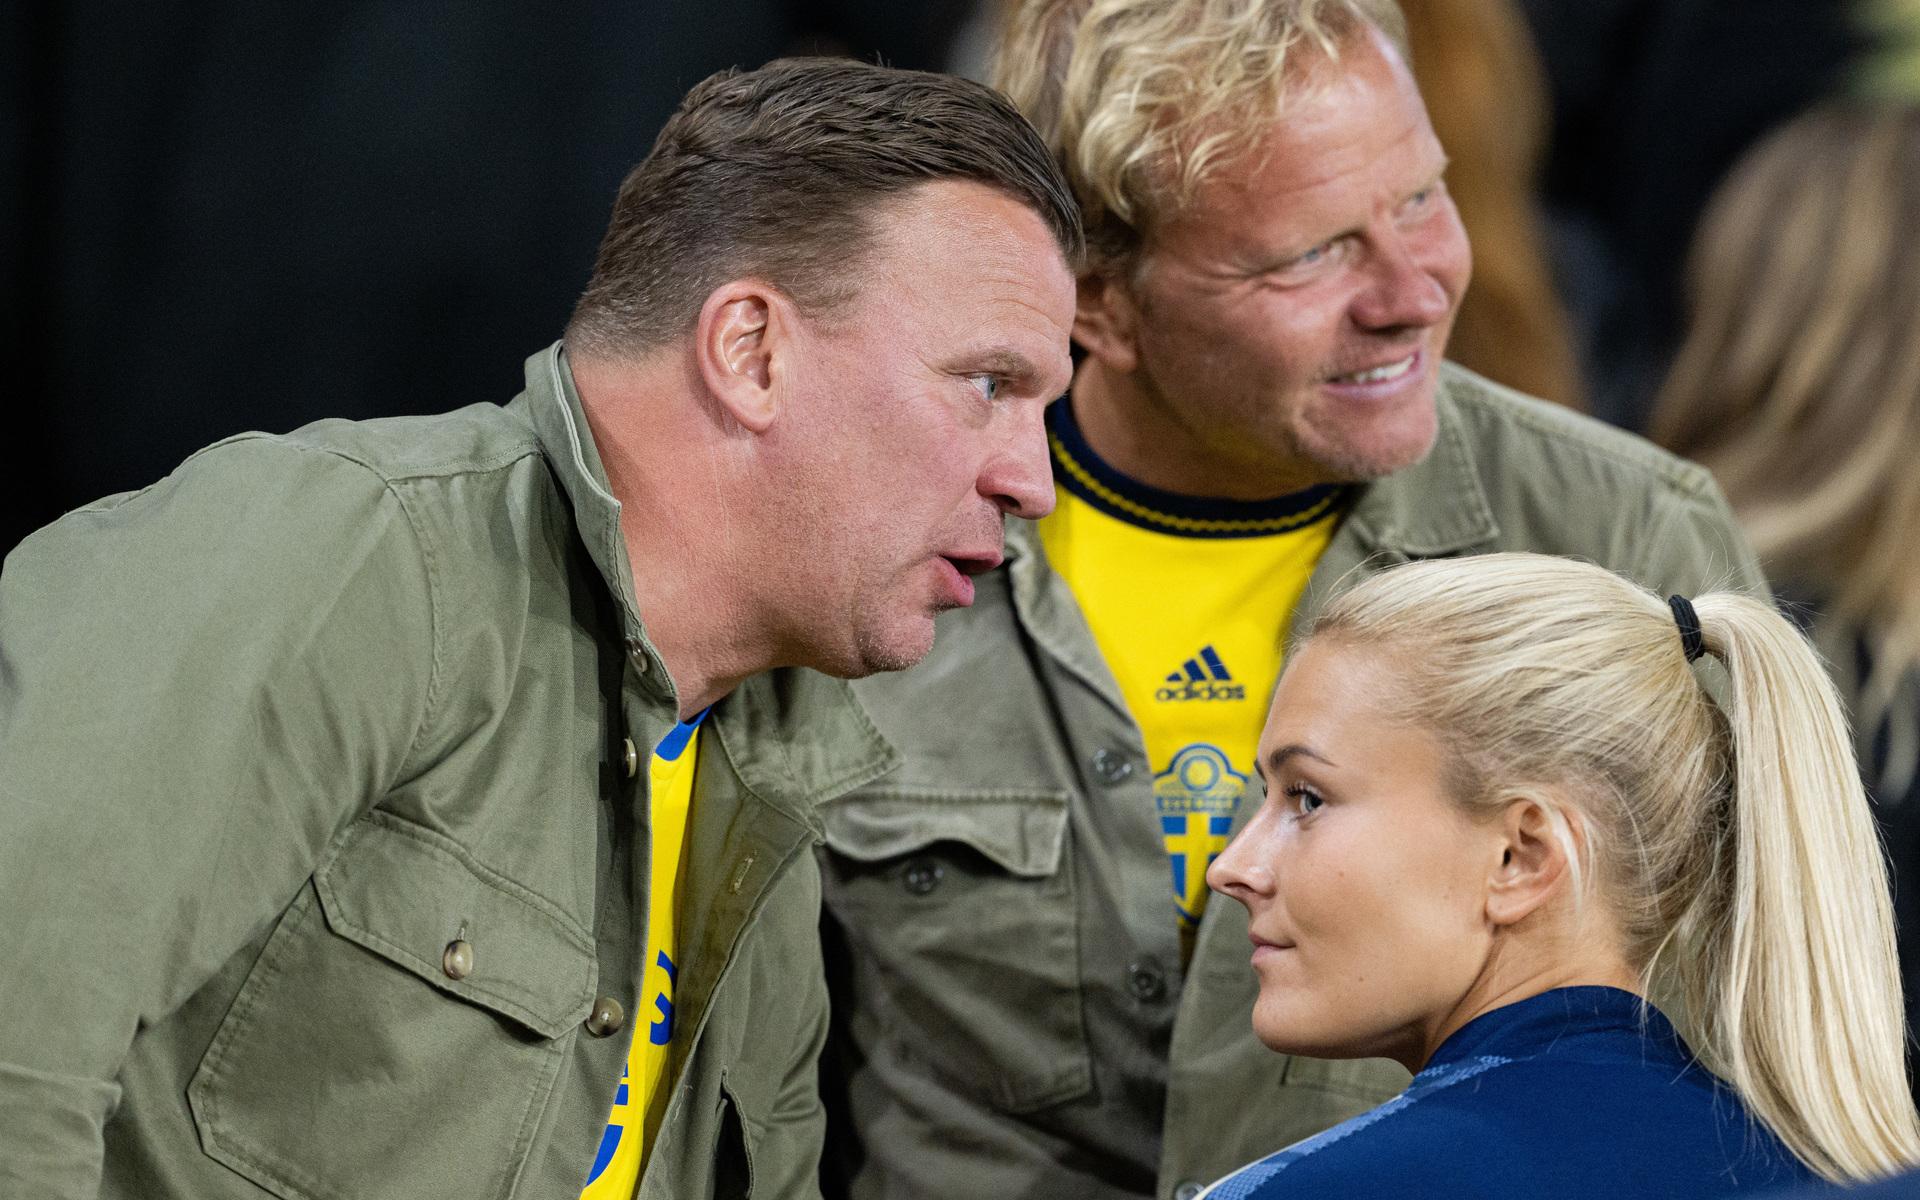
[1282,754]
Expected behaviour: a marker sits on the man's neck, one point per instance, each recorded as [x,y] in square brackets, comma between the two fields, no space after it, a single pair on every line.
[1130,425]
[674,487]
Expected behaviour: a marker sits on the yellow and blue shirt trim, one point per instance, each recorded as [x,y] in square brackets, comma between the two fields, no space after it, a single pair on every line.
[1080,471]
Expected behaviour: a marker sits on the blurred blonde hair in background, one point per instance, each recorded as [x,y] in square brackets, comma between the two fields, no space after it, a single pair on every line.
[1798,384]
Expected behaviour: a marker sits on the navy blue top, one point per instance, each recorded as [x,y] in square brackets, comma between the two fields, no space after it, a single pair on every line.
[1580,1093]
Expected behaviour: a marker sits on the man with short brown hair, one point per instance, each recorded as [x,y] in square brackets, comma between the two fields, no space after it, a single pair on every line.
[404,808]
[1033,995]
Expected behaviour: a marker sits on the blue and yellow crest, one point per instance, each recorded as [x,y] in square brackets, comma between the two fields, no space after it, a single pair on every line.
[1197,796]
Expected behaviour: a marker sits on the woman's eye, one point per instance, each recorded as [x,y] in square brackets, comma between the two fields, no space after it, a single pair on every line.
[988,385]
[1305,799]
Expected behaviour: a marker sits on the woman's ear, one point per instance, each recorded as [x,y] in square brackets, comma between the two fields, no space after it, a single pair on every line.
[742,339]
[1104,320]
[1536,847]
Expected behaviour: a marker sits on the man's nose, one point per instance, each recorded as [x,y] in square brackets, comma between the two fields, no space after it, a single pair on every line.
[1401,292]
[1019,478]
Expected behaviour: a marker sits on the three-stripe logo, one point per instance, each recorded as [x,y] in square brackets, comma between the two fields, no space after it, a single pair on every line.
[1202,677]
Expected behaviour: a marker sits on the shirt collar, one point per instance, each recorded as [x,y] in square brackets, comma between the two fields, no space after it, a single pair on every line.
[1435,507]
[1557,1018]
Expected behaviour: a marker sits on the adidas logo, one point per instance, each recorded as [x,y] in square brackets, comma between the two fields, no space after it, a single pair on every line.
[1202,677]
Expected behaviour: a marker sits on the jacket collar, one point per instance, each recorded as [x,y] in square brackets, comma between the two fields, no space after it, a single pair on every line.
[797,739]
[759,722]
[560,424]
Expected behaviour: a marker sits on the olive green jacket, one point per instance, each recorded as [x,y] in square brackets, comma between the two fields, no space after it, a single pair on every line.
[1012,1017]
[280,729]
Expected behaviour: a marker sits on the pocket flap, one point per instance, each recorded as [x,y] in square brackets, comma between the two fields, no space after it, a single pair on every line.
[1022,832]
[406,893]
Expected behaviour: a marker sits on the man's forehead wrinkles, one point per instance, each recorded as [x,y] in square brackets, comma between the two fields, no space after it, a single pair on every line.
[1261,186]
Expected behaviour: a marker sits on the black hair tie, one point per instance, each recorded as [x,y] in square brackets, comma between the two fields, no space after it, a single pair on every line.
[1689,623]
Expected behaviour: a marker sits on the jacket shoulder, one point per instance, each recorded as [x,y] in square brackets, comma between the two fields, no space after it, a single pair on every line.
[1557,482]
[1513,429]
[471,440]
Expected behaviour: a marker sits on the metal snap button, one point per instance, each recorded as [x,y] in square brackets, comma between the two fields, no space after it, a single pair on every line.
[637,651]
[1146,982]
[632,757]
[1110,765]
[457,959]
[606,1018]
[1188,1191]
[922,876]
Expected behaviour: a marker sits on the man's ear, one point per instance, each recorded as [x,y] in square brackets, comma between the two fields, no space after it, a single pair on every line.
[1536,841]
[1105,319]
[740,344]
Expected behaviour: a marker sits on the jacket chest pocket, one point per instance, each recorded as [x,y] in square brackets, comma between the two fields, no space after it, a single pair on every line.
[401,1031]
[964,934]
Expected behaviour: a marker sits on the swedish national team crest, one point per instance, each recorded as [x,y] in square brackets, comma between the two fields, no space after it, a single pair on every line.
[1197,795]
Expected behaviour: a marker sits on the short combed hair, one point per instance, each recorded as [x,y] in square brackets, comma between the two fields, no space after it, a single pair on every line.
[776,173]
[1140,100]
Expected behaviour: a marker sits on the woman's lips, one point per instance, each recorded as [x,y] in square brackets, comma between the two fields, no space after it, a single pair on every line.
[1264,949]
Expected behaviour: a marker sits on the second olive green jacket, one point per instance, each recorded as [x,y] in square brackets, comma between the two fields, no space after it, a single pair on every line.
[324,836]
[1013,1018]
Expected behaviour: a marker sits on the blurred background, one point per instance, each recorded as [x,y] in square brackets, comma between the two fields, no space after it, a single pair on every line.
[218,216]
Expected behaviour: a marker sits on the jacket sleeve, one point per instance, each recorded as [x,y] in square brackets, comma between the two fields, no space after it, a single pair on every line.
[1695,546]
[200,684]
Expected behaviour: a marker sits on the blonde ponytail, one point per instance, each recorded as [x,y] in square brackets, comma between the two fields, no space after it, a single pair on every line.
[1735,847]
[1792,975]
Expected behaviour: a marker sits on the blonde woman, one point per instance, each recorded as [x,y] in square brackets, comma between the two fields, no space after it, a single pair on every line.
[1500,805]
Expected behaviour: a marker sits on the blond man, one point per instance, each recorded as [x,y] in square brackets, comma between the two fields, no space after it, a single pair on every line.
[1034,996]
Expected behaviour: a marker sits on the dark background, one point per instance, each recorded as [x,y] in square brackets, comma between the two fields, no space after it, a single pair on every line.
[221,216]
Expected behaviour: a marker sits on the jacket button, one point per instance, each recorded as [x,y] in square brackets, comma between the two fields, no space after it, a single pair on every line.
[922,876]
[1188,1191]
[1146,982]
[1111,766]
[457,959]
[606,1018]
[632,758]
[637,651]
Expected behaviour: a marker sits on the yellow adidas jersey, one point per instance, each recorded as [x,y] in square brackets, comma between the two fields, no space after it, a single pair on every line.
[641,1100]
[1189,600]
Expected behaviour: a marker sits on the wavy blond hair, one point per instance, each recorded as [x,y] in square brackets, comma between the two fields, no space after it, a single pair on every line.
[1798,383]
[1734,846]
[1141,100]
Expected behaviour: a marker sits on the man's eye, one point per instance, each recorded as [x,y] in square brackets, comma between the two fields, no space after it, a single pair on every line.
[1418,203]
[988,385]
